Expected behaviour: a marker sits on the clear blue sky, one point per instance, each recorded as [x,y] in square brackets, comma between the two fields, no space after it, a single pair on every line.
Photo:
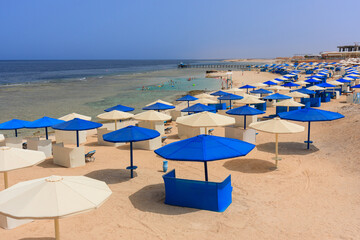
[174,29]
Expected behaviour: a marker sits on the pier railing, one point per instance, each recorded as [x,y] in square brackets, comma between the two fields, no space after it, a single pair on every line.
[217,66]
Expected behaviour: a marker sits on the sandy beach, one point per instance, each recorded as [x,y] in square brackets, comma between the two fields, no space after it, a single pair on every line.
[315,194]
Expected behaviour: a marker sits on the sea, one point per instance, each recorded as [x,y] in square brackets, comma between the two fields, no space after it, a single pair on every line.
[33,89]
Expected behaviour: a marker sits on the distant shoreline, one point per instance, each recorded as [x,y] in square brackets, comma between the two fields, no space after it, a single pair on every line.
[265,60]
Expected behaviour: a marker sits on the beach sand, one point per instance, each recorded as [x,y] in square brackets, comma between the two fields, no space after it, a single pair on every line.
[315,194]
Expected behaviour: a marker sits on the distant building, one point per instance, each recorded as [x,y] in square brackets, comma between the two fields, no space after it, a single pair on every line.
[346,51]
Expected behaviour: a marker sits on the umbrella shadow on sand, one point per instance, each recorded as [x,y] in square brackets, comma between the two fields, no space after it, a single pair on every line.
[287,148]
[111,176]
[249,165]
[48,163]
[151,199]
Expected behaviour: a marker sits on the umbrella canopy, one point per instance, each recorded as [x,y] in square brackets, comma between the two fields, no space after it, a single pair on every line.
[230,97]
[115,115]
[302,83]
[16,158]
[53,198]
[310,115]
[44,122]
[205,119]
[205,101]
[219,93]
[158,106]
[244,111]
[152,115]
[277,96]
[270,83]
[77,125]
[312,80]
[71,116]
[289,103]
[187,98]
[247,87]
[277,88]
[261,91]
[198,107]
[204,148]
[290,84]
[296,94]
[280,79]
[250,100]
[121,108]
[356,86]
[336,83]
[14,124]
[305,91]
[160,101]
[277,126]
[325,85]
[131,134]
[316,88]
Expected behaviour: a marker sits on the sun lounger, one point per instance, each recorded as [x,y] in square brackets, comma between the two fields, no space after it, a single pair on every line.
[168,130]
[210,131]
[197,194]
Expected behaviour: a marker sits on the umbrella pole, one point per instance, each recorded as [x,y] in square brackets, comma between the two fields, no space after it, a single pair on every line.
[46,133]
[230,104]
[15,132]
[6,181]
[131,160]
[77,138]
[115,125]
[308,141]
[276,149]
[206,171]
[188,103]
[57,231]
[244,121]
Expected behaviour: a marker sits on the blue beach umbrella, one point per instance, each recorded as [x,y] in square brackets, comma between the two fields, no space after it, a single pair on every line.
[310,115]
[305,91]
[356,86]
[290,84]
[77,125]
[131,134]
[230,97]
[14,124]
[276,96]
[205,148]
[246,87]
[44,122]
[196,108]
[120,108]
[311,80]
[269,83]
[245,111]
[344,80]
[279,79]
[261,91]
[187,98]
[158,106]
[219,93]
[325,85]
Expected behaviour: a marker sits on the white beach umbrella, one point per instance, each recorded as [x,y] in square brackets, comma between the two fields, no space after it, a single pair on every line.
[278,88]
[160,101]
[71,116]
[297,94]
[115,115]
[16,158]
[205,119]
[288,103]
[203,101]
[152,115]
[316,88]
[336,83]
[277,126]
[248,99]
[302,83]
[53,197]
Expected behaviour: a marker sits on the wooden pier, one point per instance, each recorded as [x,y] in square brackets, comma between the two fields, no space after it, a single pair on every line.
[217,66]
